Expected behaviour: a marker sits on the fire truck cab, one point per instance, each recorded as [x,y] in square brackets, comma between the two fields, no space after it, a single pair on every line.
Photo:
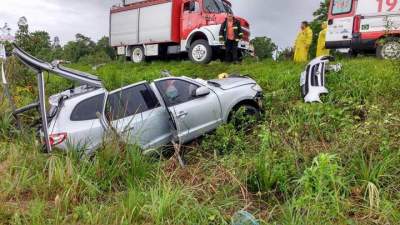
[145,28]
[365,26]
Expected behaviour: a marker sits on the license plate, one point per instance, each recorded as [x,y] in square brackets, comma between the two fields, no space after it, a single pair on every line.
[302,79]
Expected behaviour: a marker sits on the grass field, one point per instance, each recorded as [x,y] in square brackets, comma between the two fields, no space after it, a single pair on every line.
[331,163]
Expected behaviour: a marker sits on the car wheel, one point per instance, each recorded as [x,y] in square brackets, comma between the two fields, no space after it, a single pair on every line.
[244,116]
[200,52]
[138,54]
[389,50]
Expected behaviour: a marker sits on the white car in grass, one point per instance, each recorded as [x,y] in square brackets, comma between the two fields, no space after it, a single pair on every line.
[150,114]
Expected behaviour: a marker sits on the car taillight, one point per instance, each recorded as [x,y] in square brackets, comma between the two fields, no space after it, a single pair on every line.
[56,139]
[356,24]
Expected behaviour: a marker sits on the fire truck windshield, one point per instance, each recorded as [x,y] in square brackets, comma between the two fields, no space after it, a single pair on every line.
[217,6]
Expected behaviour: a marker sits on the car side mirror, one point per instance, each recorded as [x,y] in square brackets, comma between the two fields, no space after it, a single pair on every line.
[201,91]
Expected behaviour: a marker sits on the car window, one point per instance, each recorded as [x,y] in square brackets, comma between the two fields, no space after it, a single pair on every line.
[342,6]
[130,101]
[191,6]
[214,6]
[88,109]
[175,91]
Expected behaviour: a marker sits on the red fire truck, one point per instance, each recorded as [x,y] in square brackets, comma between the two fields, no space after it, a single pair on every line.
[365,26]
[140,29]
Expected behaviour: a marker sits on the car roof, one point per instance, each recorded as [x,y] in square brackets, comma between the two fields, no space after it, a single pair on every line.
[70,74]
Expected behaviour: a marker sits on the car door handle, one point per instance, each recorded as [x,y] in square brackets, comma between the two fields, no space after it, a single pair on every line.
[181,114]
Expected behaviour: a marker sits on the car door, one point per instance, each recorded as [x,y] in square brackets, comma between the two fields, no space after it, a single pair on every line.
[137,116]
[193,115]
[340,23]
[80,123]
[191,17]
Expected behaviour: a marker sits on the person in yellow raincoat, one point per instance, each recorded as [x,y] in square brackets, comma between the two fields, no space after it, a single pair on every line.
[303,43]
[321,50]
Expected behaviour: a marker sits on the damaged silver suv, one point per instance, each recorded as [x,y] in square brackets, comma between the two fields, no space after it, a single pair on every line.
[148,114]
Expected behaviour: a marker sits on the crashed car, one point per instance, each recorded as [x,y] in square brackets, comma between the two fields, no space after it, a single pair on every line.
[148,114]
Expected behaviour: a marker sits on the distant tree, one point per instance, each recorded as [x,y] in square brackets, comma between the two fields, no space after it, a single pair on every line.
[285,54]
[82,46]
[320,16]
[263,47]
[104,45]
[41,45]
[56,42]
[22,38]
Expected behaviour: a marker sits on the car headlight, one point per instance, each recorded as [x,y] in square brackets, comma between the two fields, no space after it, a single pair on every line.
[257,88]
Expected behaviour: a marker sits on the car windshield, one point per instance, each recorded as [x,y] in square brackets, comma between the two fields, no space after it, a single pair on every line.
[217,6]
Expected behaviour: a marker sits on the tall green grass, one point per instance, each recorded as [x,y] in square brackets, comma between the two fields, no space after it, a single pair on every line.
[330,163]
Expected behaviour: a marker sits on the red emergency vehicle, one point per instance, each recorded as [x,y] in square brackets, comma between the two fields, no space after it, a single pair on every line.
[140,29]
[365,26]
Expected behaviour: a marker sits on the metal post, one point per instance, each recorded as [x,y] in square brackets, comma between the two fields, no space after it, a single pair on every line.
[43,112]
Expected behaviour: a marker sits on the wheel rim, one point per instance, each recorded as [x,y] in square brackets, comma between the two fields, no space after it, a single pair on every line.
[199,52]
[391,50]
[137,55]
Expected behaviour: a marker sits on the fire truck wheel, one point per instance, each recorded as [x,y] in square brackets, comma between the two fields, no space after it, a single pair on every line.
[200,52]
[390,49]
[138,54]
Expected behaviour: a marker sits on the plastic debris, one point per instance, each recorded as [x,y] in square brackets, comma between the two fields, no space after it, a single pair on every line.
[243,218]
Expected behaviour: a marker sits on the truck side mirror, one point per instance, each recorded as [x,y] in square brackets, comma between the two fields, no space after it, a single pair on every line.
[201,91]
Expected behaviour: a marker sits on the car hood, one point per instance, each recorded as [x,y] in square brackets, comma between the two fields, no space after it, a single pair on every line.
[231,82]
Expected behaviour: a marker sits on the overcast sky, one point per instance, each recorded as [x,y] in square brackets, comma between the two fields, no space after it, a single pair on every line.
[278,19]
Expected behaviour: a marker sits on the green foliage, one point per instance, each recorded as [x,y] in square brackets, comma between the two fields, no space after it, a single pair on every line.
[263,47]
[274,169]
[227,139]
[320,16]
[322,189]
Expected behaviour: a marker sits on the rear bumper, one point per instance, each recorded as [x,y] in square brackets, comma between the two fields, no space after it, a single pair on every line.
[356,43]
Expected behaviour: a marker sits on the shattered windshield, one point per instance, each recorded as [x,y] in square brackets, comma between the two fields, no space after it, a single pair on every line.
[216,6]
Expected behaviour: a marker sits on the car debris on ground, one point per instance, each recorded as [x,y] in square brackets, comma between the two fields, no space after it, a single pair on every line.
[312,80]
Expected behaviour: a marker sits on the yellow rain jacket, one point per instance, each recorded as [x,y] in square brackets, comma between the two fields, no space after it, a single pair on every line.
[321,50]
[302,45]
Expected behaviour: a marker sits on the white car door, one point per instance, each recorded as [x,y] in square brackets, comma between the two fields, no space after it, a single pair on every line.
[340,23]
[136,115]
[193,115]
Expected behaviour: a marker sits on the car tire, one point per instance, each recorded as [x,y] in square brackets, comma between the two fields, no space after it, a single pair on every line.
[249,111]
[138,55]
[200,52]
[390,49]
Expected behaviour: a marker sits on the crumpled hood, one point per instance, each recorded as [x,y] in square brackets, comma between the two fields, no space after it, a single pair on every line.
[231,82]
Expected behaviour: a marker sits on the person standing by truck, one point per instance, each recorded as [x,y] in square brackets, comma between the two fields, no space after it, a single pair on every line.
[321,48]
[303,43]
[231,33]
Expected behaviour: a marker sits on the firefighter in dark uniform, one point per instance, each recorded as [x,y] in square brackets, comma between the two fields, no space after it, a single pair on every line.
[231,33]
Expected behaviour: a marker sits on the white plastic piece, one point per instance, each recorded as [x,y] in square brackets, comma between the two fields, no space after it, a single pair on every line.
[312,80]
